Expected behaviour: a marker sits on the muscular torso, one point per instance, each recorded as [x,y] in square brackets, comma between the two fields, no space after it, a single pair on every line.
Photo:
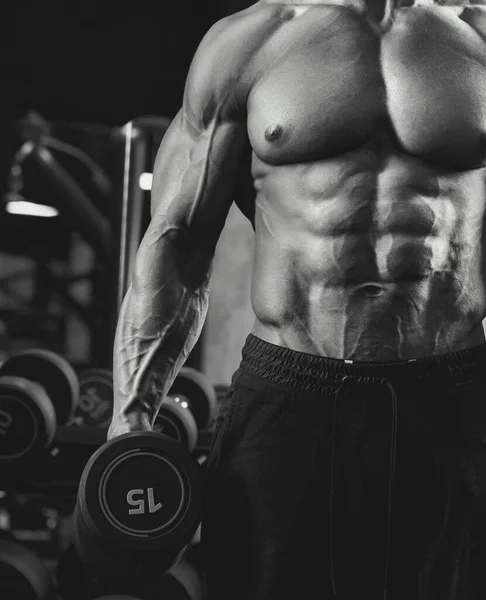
[368,158]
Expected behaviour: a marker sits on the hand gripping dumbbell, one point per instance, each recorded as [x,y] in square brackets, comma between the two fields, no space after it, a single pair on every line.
[38,390]
[188,408]
[138,506]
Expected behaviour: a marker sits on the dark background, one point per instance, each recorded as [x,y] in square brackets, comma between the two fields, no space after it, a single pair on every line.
[100,61]
[87,68]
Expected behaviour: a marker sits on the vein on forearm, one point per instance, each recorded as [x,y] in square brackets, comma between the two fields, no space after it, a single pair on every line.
[161,319]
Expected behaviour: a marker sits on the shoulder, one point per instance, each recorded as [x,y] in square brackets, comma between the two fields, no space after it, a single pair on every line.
[219,73]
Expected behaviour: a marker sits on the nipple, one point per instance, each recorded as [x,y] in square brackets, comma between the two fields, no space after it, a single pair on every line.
[273,133]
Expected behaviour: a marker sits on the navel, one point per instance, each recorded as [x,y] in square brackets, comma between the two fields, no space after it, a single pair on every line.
[274,133]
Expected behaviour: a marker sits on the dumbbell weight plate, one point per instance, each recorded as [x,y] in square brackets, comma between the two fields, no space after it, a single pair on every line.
[23,575]
[176,420]
[189,584]
[27,420]
[182,582]
[195,386]
[52,372]
[95,406]
[138,505]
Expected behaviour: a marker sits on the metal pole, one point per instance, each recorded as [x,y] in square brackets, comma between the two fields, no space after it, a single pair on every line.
[140,135]
[132,205]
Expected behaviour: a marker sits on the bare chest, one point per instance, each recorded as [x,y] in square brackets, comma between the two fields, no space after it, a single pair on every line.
[327,81]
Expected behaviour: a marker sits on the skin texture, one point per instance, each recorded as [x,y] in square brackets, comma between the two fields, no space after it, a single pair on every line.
[362,126]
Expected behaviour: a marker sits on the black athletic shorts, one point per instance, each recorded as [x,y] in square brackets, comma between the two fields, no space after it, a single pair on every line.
[330,479]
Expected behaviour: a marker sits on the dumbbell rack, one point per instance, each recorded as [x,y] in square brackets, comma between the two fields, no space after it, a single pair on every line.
[48,463]
[56,477]
[59,471]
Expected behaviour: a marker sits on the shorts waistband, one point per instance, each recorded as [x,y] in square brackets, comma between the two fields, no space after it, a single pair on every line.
[316,373]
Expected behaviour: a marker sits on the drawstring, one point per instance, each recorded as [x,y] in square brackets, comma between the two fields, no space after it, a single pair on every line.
[345,383]
[459,376]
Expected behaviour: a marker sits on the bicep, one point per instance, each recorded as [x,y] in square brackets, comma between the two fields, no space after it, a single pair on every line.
[194,176]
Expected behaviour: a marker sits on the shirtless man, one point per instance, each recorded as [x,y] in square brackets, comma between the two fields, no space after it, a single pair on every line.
[348,458]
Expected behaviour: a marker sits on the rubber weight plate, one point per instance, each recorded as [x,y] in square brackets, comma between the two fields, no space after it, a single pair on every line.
[176,420]
[182,582]
[52,372]
[138,506]
[95,406]
[23,575]
[189,583]
[199,392]
[27,420]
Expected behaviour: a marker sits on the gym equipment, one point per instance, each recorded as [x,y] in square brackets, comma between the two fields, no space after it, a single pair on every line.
[195,555]
[95,406]
[175,420]
[190,404]
[38,390]
[182,582]
[76,582]
[138,506]
[23,575]
[192,386]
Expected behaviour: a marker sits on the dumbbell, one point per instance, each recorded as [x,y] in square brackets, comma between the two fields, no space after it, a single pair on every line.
[175,420]
[38,390]
[193,387]
[182,582]
[138,506]
[95,406]
[76,582]
[23,575]
[188,408]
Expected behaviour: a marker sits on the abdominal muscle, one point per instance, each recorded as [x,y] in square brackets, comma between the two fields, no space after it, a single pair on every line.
[371,265]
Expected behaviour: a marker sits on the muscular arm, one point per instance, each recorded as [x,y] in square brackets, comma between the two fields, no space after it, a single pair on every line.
[166,304]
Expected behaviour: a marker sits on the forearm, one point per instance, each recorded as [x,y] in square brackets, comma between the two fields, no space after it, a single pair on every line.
[160,321]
